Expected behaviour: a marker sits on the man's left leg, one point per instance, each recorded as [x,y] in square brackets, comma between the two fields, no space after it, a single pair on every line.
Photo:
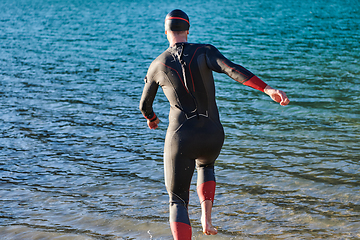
[206,191]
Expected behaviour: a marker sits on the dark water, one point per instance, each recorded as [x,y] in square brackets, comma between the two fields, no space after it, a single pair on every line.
[78,162]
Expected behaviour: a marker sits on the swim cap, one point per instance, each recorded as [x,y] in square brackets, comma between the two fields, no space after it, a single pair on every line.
[177,20]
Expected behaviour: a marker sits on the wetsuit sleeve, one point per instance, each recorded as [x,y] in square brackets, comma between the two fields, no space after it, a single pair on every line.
[218,63]
[147,99]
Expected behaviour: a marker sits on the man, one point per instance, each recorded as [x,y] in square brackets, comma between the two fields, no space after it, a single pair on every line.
[195,135]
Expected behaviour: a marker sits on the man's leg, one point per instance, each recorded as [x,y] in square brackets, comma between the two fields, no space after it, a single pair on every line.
[206,191]
[178,174]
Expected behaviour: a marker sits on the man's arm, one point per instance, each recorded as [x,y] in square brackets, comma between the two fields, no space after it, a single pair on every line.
[146,102]
[218,63]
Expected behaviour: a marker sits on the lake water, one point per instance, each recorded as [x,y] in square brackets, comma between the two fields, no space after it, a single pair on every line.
[77,160]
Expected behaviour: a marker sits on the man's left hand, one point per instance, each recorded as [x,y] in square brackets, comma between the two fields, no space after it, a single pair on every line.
[277,95]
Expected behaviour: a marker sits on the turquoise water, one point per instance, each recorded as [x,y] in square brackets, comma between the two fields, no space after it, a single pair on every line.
[78,162]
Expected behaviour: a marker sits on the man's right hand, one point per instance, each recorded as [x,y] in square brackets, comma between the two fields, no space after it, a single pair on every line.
[154,124]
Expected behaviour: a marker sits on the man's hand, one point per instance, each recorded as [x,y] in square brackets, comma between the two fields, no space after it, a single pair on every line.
[277,95]
[154,124]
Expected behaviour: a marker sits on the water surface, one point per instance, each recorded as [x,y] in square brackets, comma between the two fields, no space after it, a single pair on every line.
[78,162]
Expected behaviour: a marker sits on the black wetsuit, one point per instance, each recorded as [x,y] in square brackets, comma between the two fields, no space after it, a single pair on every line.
[195,135]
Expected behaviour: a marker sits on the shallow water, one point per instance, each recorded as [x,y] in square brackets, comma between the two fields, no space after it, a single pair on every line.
[77,161]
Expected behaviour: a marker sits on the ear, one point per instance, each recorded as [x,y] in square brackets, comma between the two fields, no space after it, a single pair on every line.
[166,32]
[187,32]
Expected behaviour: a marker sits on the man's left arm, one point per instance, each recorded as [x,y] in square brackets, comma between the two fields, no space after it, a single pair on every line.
[217,62]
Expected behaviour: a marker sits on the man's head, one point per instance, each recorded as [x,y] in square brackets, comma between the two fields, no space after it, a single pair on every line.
[177,20]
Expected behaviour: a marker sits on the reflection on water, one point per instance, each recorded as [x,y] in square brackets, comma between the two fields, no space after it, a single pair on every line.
[77,161]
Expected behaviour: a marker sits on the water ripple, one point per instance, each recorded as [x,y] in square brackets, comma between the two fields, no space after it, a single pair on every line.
[78,162]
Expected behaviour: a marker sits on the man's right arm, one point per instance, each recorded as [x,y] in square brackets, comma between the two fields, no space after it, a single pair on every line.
[146,102]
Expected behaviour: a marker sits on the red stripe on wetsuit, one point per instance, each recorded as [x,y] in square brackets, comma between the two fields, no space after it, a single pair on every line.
[192,79]
[253,82]
[178,76]
[206,191]
[256,83]
[151,117]
[181,231]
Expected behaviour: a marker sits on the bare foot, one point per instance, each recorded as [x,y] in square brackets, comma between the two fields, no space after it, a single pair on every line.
[208,228]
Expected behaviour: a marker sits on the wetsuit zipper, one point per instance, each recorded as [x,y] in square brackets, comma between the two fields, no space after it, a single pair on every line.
[183,64]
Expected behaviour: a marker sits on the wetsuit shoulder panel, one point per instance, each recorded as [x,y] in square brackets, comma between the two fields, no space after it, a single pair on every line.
[219,63]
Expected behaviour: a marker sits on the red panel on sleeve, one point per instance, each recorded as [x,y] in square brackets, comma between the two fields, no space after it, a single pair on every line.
[256,83]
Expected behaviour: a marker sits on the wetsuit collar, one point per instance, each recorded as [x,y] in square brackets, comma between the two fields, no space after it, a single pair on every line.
[178,44]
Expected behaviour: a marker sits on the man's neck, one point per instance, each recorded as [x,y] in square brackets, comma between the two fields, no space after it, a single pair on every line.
[177,40]
[174,38]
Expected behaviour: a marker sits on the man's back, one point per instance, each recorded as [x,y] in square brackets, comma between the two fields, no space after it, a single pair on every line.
[184,71]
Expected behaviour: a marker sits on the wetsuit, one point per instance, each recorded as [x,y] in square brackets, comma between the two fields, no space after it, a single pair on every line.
[195,135]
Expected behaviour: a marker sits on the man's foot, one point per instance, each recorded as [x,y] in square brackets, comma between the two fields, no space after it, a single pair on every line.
[208,228]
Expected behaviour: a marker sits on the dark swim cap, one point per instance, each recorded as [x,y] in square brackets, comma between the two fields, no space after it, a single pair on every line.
[177,20]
